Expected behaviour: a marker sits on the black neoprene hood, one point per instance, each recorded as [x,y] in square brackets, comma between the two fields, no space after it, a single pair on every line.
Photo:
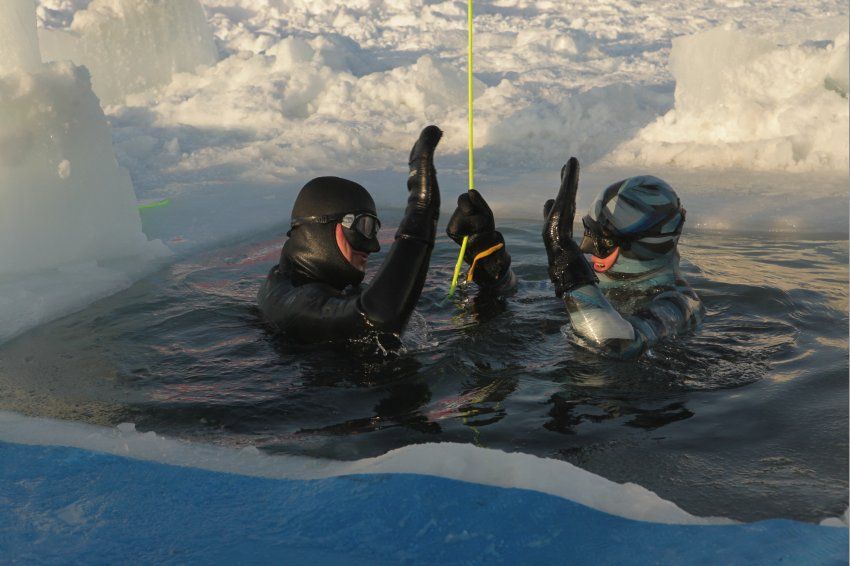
[311,252]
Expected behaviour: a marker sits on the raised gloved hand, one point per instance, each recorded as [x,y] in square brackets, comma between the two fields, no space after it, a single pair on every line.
[423,202]
[568,267]
[473,219]
[389,299]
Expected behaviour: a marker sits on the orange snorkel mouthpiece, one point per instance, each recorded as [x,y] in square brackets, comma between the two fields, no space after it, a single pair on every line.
[603,264]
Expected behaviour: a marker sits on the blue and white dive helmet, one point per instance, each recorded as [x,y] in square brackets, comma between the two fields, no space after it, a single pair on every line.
[633,226]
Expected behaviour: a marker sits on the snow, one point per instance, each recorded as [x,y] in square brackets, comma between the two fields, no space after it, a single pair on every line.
[304,88]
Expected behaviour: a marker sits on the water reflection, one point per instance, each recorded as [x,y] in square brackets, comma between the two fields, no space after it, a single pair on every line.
[184,353]
[569,413]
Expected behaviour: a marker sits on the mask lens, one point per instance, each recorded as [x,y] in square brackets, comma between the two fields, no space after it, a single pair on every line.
[603,246]
[367,225]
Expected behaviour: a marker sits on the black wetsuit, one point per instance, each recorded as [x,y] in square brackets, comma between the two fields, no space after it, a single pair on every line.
[313,296]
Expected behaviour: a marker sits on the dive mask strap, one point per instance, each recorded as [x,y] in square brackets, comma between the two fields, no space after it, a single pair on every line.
[368,228]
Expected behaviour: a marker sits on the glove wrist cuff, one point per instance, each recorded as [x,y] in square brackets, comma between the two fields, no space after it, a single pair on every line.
[488,259]
[418,225]
[570,273]
[481,242]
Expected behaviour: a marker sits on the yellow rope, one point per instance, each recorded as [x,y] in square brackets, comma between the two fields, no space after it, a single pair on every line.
[469,95]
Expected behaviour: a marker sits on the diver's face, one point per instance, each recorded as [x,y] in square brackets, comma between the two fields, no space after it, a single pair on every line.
[603,264]
[601,247]
[355,257]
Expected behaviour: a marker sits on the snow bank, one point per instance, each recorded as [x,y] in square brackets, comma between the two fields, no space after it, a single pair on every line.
[744,101]
[133,45]
[298,108]
[67,209]
[455,461]
[307,88]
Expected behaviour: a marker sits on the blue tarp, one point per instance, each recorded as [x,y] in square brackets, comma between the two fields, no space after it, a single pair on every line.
[66,505]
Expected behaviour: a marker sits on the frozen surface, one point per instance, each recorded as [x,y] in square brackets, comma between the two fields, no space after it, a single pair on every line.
[315,86]
[306,88]
[133,45]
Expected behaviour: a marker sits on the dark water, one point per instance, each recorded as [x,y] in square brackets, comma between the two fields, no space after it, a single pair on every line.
[745,419]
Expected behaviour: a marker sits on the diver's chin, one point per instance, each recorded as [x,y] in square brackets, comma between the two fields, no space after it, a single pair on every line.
[603,264]
[359,260]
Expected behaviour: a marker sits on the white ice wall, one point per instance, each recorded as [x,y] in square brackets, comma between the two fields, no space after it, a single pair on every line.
[133,45]
[70,231]
[747,101]
[63,197]
[18,41]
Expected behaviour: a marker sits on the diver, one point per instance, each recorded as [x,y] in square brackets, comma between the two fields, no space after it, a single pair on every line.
[632,233]
[314,293]
[488,260]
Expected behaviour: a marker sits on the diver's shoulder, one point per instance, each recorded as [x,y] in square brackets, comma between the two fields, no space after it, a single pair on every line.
[288,282]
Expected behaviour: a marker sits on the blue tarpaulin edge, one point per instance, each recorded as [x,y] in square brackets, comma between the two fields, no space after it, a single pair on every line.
[62,505]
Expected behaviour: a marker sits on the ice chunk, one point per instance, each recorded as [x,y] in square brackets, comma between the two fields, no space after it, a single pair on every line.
[18,40]
[64,169]
[63,197]
[838,67]
[66,207]
[703,63]
[133,45]
[745,101]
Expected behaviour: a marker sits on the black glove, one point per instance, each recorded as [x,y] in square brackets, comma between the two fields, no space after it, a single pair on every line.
[471,217]
[474,219]
[568,268]
[423,202]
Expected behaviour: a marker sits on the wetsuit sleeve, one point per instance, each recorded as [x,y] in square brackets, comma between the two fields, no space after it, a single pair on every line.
[598,326]
[390,298]
[313,312]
